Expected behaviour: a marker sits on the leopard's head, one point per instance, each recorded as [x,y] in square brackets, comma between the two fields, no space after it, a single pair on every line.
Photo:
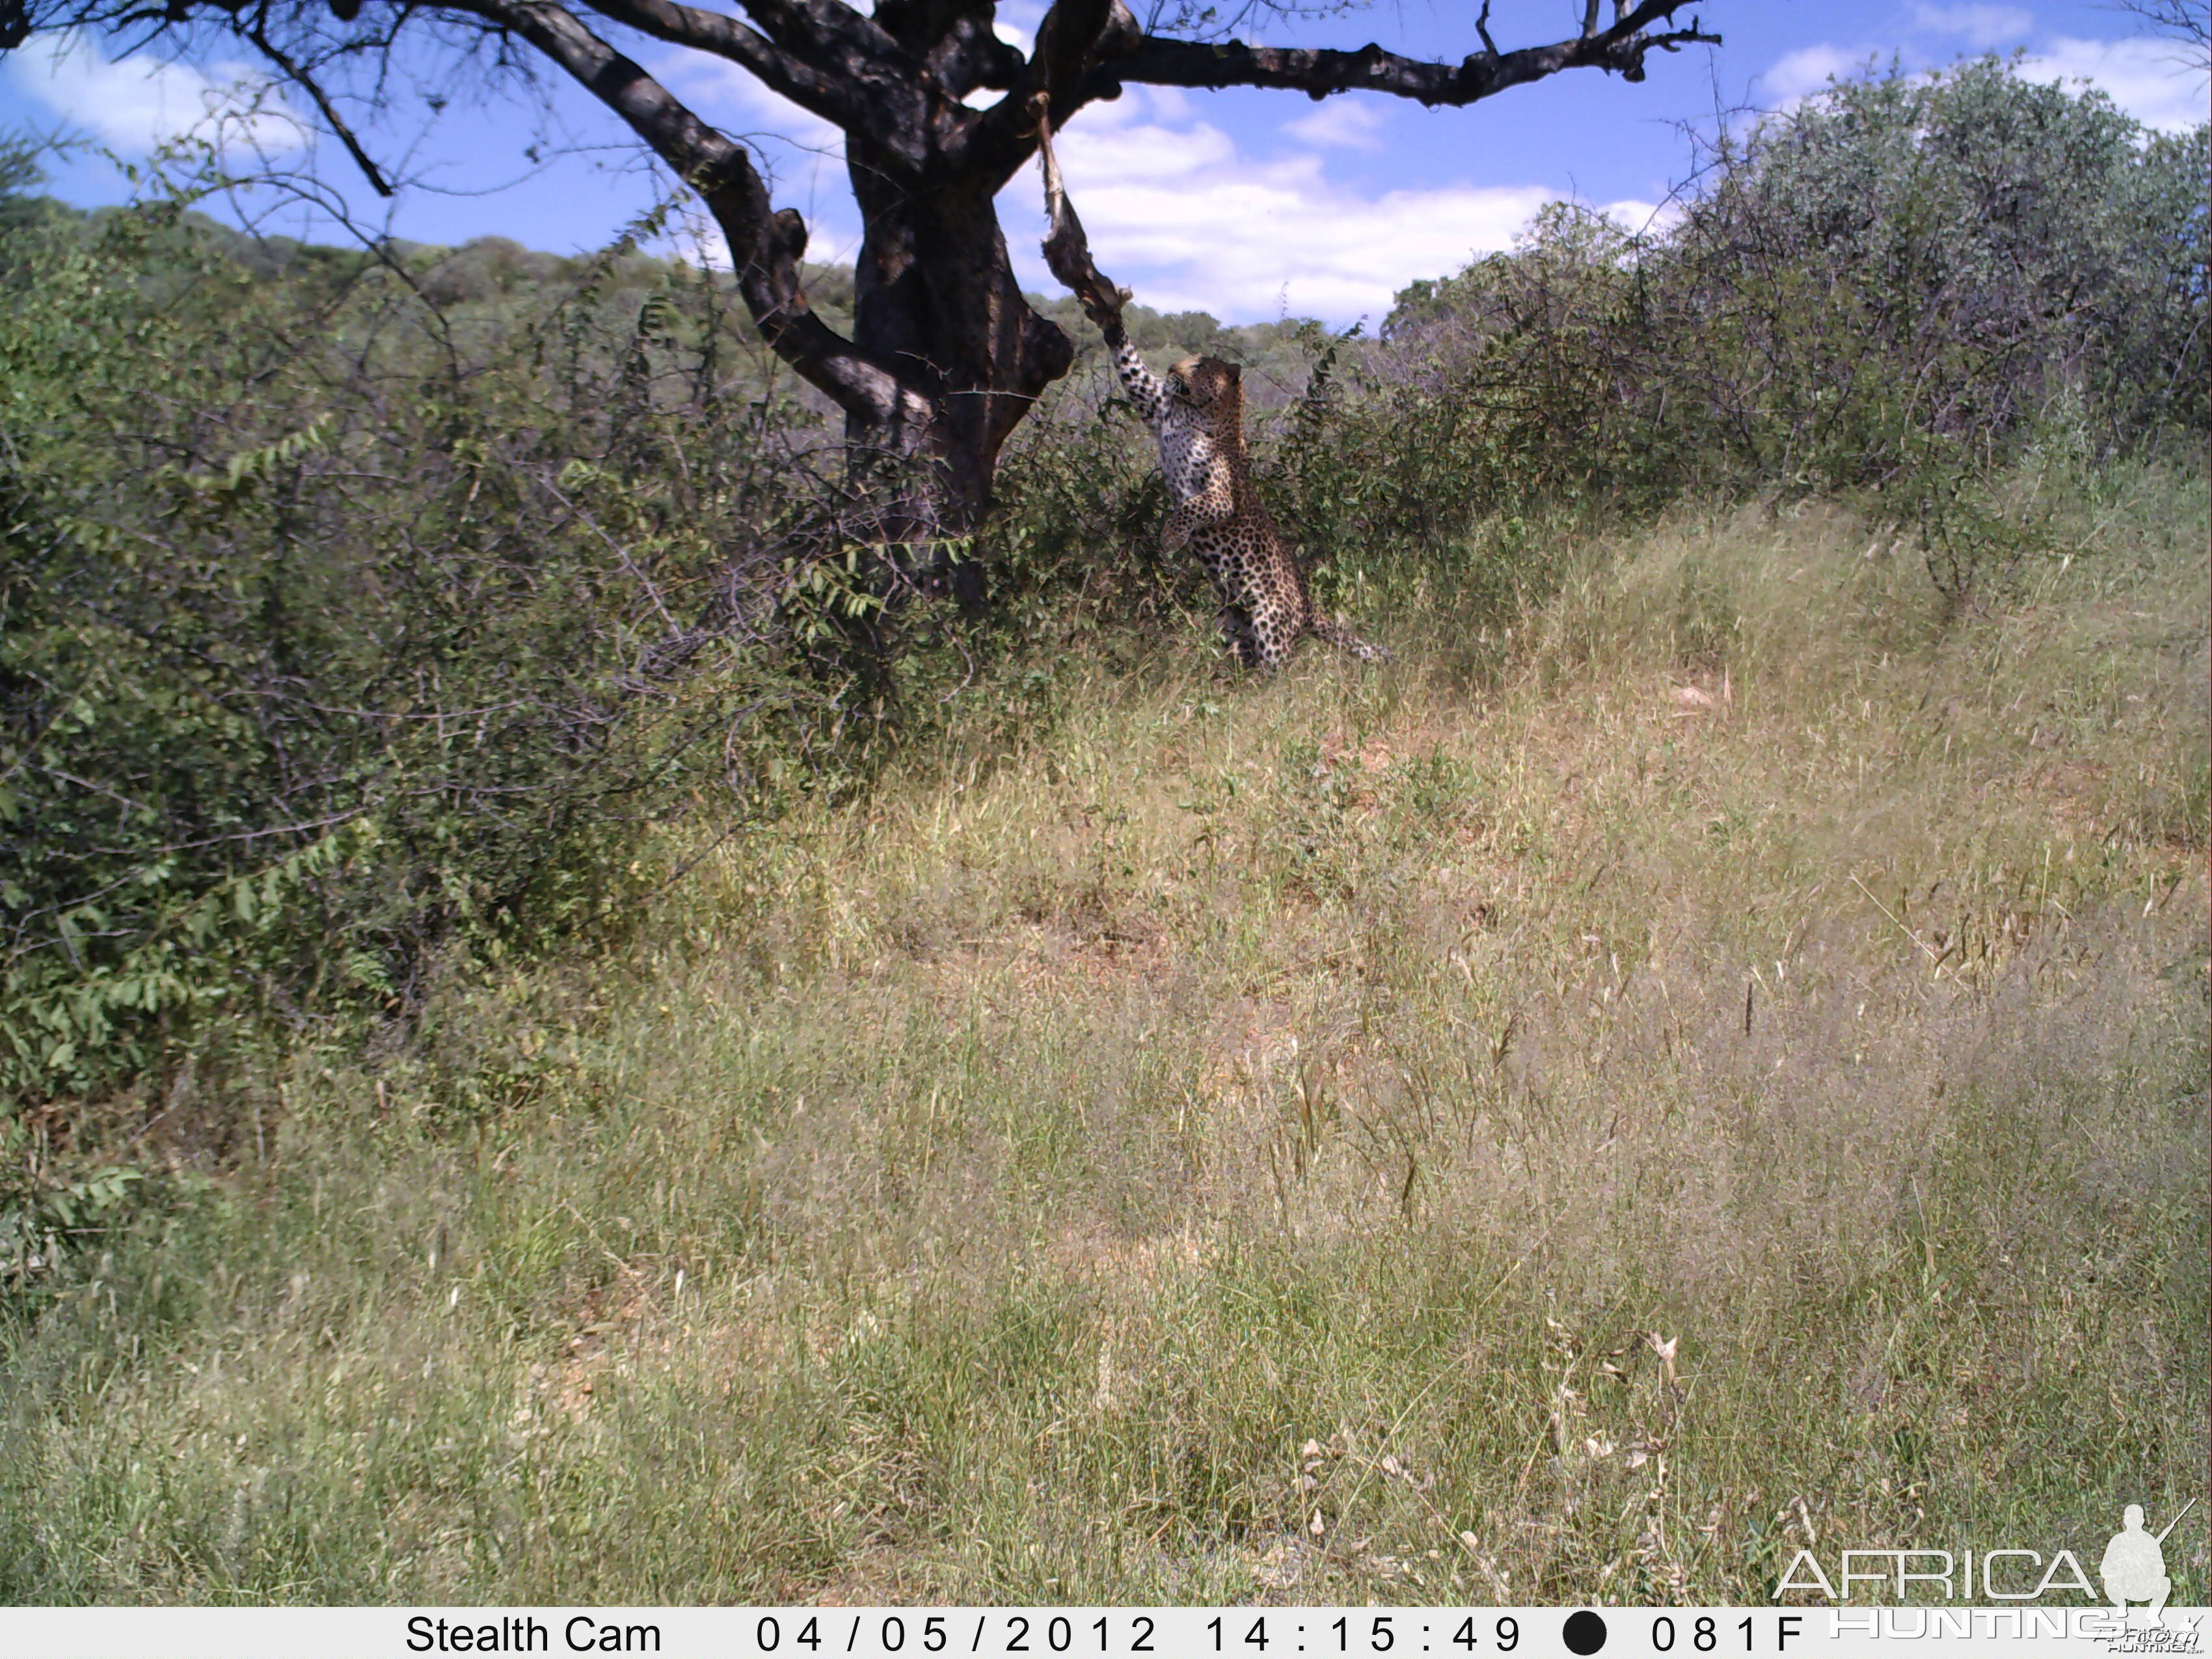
[1208,385]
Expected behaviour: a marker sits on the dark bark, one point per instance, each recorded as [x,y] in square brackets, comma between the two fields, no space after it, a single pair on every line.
[935,295]
[945,357]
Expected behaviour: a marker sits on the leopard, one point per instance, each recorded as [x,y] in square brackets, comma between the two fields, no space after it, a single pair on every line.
[1197,415]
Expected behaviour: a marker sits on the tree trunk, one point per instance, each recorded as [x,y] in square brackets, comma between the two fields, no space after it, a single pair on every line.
[935,293]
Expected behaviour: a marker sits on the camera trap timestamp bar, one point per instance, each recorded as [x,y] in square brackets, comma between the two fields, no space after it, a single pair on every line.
[1245,1632]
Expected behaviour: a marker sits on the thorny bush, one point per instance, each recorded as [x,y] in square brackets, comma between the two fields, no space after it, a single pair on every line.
[336,620]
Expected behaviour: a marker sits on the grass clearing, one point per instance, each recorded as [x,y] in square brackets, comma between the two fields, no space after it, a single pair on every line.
[1578,1114]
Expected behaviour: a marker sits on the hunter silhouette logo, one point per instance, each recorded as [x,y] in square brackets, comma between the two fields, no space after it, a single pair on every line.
[2133,1567]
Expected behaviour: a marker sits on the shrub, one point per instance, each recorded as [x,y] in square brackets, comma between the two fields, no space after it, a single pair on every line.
[332,627]
[1901,273]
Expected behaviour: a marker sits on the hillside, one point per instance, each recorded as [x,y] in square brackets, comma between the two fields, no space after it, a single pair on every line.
[1572,1116]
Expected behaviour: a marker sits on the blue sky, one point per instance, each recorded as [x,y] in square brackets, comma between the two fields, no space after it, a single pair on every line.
[1248,204]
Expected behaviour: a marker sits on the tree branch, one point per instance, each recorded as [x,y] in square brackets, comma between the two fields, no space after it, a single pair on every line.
[2181,21]
[827,33]
[765,244]
[842,98]
[307,83]
[1619,49]
[1075,41]
[967,55]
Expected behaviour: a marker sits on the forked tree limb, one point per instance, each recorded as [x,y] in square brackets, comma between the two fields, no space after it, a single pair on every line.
[850,94]
[765,244]
[1074,41]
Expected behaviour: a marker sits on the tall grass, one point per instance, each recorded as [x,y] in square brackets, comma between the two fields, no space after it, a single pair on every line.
[1712,1061]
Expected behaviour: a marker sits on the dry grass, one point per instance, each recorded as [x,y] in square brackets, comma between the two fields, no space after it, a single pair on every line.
[1569,1117]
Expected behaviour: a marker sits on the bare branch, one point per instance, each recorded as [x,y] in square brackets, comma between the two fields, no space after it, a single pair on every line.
[309,84]
[1076,38]
[1066,41]
[1619,49]
[765,244]
[828,33]
[2185,21]
[842,98]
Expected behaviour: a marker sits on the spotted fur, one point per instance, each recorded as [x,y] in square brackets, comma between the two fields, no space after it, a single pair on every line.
[1198,415]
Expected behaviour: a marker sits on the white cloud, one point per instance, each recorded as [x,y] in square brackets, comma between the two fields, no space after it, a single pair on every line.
[1809,69]
[1983,27]
[1165,103]
[1341,123]
[138,103]
[1640,218]
[1182,216]
[2142,75]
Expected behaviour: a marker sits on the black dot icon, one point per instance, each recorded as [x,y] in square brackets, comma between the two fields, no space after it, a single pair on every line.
[1585,1632]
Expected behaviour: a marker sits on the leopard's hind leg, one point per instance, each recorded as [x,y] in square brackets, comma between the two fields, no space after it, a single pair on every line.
[1237,632]
[1278,620]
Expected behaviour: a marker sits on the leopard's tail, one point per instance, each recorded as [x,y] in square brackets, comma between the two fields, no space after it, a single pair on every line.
[1331,632]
